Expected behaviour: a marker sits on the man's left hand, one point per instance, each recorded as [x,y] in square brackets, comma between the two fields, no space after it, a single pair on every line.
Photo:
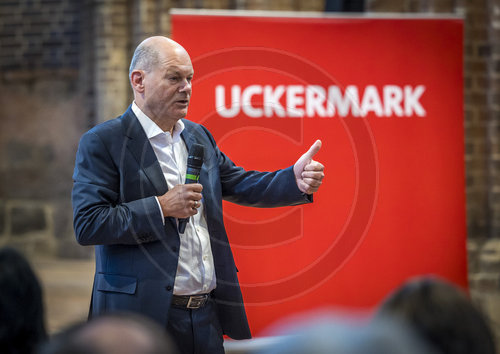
[309,173]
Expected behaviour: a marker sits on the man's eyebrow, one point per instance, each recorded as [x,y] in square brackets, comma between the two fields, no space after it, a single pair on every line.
[178,72]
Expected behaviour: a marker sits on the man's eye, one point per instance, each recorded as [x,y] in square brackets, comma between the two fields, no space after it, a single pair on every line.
[173,78]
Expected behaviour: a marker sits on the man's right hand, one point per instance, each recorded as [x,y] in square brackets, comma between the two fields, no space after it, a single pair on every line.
[182,201]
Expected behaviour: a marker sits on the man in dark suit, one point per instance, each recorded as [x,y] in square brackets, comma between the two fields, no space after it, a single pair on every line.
[129,194]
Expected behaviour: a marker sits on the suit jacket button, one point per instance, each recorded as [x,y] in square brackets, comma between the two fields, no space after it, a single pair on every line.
[169,287]
[174,249]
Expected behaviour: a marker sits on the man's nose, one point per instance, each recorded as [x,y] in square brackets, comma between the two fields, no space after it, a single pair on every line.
[185,86]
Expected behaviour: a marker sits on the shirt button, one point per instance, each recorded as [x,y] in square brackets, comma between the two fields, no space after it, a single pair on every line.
[205,258]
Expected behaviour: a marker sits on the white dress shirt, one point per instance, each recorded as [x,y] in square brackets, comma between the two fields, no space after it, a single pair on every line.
[195,270]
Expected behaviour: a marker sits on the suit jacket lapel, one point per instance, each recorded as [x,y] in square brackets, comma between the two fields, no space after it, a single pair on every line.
[138,144]
[188,135]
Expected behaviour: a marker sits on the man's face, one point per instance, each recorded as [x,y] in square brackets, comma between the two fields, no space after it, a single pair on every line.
[168,87]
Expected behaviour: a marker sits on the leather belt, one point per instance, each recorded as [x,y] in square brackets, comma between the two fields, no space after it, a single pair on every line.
[190,301]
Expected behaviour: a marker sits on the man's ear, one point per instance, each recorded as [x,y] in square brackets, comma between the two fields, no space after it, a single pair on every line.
[137,80]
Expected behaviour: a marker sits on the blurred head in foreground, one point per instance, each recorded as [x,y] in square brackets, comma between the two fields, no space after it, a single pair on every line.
[119,333]
[22,325]
[442,314]
[330,333]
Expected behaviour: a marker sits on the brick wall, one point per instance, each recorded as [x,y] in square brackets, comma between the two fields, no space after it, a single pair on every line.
[38,35]
[493,74]
[111,47]
[40,60]
[477,51]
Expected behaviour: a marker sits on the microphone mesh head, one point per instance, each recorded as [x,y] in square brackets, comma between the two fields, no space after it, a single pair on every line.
[195,158]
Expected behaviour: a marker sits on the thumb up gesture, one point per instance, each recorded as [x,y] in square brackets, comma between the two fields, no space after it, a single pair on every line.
[309,173]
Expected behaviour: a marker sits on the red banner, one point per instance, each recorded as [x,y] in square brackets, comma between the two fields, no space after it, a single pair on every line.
[385,97]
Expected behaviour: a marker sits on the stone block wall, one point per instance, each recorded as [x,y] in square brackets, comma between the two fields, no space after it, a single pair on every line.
[28,225]
[40,122]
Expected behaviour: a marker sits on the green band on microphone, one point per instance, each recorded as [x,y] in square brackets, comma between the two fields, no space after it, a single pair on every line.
[192,177]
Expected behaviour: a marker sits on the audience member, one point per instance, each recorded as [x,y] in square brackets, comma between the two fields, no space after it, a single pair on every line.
[22,325]
[331,333]
[117,333]
[442,314]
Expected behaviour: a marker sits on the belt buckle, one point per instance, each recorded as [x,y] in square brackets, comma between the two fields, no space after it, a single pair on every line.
[195,302]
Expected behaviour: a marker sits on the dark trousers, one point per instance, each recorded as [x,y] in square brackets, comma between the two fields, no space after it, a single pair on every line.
[196,331]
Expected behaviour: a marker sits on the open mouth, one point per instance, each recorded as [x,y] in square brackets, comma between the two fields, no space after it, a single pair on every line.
[183,101]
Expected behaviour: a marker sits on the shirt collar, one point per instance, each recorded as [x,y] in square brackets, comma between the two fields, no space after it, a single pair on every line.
[152,130]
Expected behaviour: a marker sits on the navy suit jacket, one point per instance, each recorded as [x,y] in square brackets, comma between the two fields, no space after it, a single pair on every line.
[116,178]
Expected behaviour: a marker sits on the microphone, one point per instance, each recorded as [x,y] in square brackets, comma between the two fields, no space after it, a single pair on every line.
[194,163]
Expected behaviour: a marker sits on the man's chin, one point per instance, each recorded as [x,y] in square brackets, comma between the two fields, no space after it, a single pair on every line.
[182,114]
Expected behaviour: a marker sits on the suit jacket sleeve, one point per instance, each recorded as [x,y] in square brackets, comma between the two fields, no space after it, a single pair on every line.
[100,215]
[255,188]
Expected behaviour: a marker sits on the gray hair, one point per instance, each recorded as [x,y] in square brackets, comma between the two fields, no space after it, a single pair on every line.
[145,57]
